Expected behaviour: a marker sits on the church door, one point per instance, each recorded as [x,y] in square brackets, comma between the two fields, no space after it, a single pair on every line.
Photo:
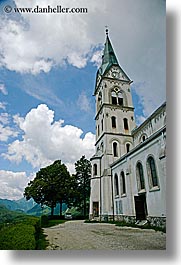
[140,207]
[96,209]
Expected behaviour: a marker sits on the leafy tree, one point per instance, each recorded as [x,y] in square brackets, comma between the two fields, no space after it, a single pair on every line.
[50,186]
[82,176]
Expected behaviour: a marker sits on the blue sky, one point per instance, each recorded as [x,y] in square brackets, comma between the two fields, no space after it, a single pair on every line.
[48,64]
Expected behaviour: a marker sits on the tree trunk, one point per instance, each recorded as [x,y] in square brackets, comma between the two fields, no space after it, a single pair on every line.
[60,207]
[52,210]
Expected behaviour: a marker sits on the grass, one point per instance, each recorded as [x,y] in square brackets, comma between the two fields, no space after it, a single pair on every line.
[53,223]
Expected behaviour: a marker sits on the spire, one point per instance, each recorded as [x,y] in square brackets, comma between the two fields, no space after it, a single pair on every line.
[109,57]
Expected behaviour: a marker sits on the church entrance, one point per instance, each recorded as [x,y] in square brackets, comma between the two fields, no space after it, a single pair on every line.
[140,207]
[95,209]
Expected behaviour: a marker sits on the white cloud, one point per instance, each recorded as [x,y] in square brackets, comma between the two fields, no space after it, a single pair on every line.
[45,140]
[137,30]
[4,118]
[3,105]
[140,119]
[97,58]
[6,132]
[83,102]
[13,183]
[3,89]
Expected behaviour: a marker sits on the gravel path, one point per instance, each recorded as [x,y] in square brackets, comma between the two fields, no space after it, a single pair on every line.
[76,235]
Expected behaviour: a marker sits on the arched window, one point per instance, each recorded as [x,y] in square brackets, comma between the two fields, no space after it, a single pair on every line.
[115,149]
[98,132]
[113,119]
[127,148]
[125,124]
[120,99]
[152,171]
[123,183]
[99,101]
[114,98]
[140,176]
[95,169]
[116,185]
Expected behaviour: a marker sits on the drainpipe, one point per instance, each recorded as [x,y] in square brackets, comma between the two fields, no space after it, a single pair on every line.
[112,195]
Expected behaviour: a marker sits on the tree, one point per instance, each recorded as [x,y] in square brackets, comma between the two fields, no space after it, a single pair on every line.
[50,186]
[83,175]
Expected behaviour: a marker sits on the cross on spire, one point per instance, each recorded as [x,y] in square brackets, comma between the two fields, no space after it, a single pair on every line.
[106,30]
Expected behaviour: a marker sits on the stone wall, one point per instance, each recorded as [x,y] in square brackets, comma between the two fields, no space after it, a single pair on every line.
[151,220]
[157,221]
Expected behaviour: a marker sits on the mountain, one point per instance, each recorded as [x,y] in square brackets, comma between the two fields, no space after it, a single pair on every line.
[7,215]
[29,207]
[17,205]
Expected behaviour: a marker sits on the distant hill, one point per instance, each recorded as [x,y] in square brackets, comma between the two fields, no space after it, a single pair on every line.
[29,207]
[7,215]
[18,205]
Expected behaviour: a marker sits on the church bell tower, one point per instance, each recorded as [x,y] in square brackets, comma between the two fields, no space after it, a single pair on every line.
[114,123]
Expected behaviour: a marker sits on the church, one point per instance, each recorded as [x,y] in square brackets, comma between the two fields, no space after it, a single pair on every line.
[128,181]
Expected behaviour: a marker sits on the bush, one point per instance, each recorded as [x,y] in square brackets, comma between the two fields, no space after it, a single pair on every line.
[18,237]
[44,220]
[22,234]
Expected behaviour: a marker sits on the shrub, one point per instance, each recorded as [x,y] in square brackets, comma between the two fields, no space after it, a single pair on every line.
[18,237]
[22,234]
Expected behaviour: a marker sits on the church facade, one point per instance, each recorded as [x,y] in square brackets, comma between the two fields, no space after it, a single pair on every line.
[128,180]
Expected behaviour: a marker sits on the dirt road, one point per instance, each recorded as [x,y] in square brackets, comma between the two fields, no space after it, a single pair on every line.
[76,235]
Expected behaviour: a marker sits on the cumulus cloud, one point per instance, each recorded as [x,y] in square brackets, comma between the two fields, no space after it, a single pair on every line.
[52,39]
[45,140]
[38,42]
[13,184]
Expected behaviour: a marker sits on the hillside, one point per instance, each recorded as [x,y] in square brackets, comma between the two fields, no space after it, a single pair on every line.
[17,205]
[28,207]
[8,216]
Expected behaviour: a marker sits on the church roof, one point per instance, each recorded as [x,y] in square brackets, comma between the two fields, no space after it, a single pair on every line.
[108,58]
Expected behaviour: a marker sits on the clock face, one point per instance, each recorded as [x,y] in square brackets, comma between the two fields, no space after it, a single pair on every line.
[115,74]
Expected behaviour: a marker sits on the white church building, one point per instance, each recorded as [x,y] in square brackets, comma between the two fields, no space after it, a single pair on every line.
[128,180]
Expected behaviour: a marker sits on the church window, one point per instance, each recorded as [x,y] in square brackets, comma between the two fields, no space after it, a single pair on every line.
[99,102]
[113,122]
[116,184]
[123,183]
[144,138]
[140,176]
[127,148]
[95,169]
[115,149]
[102,124]
[98,130]
[117,98]
[114,98]
[102,147]
[125,124]
[152,171]
[120,99]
